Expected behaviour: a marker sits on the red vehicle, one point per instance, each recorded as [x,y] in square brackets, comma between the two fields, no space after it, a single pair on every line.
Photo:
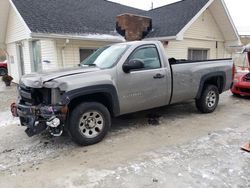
[241,84]
[3,68]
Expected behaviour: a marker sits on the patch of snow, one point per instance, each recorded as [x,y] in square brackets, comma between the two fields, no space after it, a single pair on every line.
[104,37]
[91,178]
[2,167]
[90,36]
[180,174]
[136,167]
[98,175]
[7,119]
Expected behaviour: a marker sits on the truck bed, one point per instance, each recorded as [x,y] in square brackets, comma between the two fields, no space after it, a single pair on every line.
[187,75]
[173,61]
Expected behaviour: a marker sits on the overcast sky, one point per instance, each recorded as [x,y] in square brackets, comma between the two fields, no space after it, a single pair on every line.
[239,10]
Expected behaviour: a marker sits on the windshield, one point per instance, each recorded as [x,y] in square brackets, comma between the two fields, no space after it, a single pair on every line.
[106,57]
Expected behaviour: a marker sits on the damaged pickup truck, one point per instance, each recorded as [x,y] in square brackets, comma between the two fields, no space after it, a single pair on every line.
[116,80]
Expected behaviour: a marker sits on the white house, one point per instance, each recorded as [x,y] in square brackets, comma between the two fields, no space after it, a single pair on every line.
[43,35]
[245,39]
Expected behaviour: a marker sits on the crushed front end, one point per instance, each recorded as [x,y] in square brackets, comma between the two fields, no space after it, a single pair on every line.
[40,109]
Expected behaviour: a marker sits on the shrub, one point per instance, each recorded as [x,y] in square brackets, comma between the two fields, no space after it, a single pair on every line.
[7,78]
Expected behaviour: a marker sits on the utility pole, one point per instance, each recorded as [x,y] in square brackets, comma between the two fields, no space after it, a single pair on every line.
[152,5]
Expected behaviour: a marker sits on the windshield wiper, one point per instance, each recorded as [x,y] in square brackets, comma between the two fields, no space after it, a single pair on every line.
[92,65]
[89,65]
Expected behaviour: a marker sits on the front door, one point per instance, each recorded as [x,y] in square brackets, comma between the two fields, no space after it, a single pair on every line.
[145,88]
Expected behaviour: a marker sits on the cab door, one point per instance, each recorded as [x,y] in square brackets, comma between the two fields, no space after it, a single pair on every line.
[143,88]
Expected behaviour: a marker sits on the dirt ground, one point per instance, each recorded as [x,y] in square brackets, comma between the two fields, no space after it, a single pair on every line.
[186,149]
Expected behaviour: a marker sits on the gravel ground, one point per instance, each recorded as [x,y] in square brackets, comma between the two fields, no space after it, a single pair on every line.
[7,96]
[185,149]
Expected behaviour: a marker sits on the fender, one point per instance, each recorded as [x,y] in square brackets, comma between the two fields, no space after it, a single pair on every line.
[108,89]
[208,76]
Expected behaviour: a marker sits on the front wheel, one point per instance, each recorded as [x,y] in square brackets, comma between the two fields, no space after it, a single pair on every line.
[209,99]
[89,123]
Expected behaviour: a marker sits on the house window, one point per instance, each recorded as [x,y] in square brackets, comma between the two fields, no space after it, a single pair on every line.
[20,58]
[37,56]
[198,54]
[84,53]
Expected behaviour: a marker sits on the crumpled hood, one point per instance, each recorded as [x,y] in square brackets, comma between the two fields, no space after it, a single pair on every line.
[37,80]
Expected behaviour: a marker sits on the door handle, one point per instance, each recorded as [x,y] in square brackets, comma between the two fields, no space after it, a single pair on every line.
[159,76]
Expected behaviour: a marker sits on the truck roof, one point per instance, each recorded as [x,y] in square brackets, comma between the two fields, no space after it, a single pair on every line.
[140,42]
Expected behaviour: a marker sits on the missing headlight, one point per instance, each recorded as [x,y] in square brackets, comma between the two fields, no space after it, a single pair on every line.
[55,96]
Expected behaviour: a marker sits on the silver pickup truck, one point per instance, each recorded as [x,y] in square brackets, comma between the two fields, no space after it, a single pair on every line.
[116,80]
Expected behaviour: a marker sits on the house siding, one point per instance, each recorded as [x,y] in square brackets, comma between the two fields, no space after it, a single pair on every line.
[205,28]
[13,58]
[48,53]
[69,52]
[179,49]
[204,33]
[17,33]
[16,30]
[27,56]
[4,10]
[13,67]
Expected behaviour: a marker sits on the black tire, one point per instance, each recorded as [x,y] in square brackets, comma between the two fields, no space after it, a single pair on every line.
[83,130]
[3,71]
[205,104]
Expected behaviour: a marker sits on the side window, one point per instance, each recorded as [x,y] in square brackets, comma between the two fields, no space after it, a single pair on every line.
[198,54]
[149,56]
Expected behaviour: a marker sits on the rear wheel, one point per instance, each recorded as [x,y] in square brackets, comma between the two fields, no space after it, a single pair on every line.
[89,123]
[3,71]
[209,99]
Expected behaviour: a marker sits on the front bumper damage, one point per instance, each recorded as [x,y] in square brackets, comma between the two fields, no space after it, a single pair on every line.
[41,117]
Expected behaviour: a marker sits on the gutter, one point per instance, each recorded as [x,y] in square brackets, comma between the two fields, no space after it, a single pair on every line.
[96,37]
[88,37]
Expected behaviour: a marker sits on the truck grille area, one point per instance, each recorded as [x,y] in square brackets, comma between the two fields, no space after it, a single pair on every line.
[34,96]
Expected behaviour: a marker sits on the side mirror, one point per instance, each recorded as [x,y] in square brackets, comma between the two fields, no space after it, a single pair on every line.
[132,65]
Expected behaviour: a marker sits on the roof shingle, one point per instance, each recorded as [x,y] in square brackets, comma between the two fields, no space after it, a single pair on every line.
[80,17]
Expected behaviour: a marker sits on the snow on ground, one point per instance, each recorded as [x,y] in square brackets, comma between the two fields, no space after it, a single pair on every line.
[212,161]
[6,119]
[8,95]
